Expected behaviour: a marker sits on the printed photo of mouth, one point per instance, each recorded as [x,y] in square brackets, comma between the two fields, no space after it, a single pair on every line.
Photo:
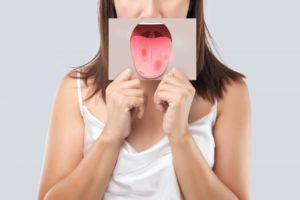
[151,48]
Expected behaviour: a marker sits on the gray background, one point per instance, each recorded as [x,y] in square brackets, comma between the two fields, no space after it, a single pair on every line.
[183,33]
[39,40]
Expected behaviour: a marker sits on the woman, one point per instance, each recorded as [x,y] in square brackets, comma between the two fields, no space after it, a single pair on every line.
[147,139]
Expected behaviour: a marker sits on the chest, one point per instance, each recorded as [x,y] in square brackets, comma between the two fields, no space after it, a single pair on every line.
[149,175]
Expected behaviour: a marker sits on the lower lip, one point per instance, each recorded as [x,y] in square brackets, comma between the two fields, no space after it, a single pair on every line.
[151,53]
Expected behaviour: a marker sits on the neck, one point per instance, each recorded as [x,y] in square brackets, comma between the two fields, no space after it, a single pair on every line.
[150,85]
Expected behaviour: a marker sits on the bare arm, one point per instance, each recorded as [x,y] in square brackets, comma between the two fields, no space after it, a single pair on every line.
[230,177]
[90,178]
[66,174]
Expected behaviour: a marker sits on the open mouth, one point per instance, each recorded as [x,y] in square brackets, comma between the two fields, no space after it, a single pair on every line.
[151,30]
[151,45]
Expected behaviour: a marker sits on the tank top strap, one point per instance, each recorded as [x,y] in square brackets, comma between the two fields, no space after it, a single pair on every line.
[215,110]
[80,100]
[216,102]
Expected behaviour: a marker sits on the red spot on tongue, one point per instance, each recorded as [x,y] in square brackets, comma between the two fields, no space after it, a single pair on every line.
[157,65]
[144,52]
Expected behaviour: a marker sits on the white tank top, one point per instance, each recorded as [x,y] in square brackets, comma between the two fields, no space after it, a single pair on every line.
[147,175]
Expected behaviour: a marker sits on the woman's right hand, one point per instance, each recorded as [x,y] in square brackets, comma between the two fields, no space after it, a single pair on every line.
[125,100]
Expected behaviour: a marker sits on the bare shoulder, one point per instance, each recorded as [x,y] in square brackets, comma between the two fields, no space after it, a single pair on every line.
[67,92]
[234,111]
[236,97]
[63,150]
[67,83]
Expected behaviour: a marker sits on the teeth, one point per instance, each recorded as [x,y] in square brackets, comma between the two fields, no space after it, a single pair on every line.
[150,23]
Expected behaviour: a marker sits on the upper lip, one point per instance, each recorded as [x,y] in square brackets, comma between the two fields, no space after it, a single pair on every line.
[150,23]
[153,29]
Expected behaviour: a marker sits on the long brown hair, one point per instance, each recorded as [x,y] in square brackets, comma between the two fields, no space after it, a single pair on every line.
[212,74]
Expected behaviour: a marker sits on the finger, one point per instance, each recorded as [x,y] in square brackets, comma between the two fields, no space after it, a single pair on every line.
[133,92]
[157,101]
[125,75]
[132,102]
[143,107]
[168,87]
[135,112]
[160,107]
[165,96]
[179,74]
[161,96]
[141,111]
[173,80]
[134,83]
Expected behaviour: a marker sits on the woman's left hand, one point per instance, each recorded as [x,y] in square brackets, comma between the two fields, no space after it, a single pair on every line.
[174,96]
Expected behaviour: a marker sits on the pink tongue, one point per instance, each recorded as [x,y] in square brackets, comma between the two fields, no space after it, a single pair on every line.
[150,55]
